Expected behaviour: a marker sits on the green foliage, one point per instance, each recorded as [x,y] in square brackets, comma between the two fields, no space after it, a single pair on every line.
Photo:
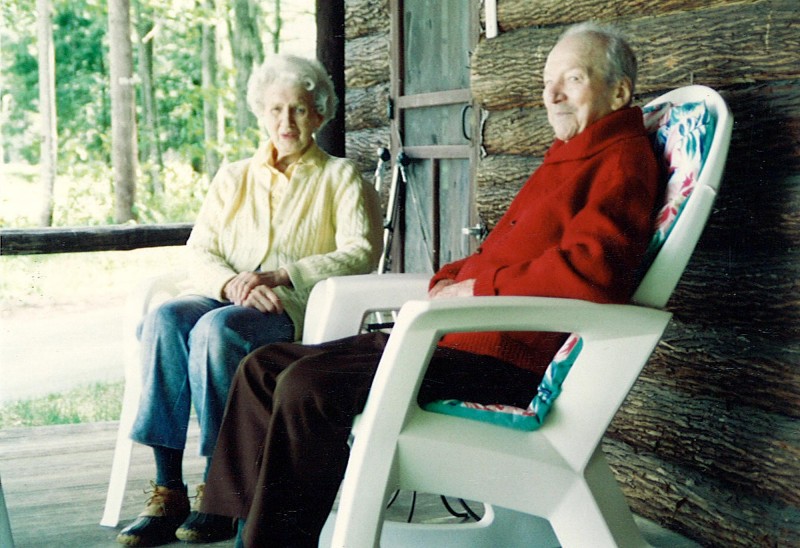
[184,190]
[85,195]
[83,102]
[93,403]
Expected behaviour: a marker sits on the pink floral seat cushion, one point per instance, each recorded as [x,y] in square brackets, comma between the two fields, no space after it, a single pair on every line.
[681,137]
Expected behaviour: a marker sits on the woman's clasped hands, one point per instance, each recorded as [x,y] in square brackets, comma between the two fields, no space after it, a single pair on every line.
[255,290]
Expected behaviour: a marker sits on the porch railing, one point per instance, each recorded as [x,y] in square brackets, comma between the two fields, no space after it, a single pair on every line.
[37,241]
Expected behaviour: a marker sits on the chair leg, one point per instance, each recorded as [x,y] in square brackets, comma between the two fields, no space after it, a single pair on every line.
[594,512]
[6,539]
[122,454]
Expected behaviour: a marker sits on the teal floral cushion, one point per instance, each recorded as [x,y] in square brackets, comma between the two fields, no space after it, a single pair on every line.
[533,416]
[682,136]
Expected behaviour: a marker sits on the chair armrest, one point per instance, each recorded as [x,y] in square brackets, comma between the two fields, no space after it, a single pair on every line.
[337,306]
[596,386]
[148,294]
[152,291]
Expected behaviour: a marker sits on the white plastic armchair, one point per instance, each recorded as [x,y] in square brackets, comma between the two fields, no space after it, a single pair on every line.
[551,486]
[6,538]
[156,290]
[147,296]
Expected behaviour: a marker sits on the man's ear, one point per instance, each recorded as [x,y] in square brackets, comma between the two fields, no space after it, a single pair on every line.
[621,94]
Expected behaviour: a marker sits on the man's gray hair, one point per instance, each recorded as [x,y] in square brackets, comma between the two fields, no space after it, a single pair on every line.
[292,70]
[620,59]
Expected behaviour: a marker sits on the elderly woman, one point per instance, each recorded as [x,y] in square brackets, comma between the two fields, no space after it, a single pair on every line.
[270,228]
[578,228]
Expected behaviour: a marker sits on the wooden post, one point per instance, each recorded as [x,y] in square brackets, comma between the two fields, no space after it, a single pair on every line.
[330,52]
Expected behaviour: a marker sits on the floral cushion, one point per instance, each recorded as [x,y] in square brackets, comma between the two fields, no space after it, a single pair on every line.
[533,416]
[682,136]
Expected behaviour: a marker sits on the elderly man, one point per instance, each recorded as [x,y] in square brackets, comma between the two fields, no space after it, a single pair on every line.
[577,229]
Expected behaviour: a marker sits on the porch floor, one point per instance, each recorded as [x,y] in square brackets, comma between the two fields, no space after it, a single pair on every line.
[55,480]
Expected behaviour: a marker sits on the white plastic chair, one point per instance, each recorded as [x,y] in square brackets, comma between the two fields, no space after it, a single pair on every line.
[6,539]
[554,480]
[156,290]
[148,295]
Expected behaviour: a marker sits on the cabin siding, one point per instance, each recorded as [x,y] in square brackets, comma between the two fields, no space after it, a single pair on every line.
[708,442]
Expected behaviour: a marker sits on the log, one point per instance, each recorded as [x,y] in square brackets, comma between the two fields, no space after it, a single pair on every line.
[731,44]
[367,107]
[756,211]
[367,61]
[517,131]
[514,14]
[698,506]
[362,147]
[34,241]
[731,363]
[758,293]
[365,17]
[499,179]
[505,71]
[757,451]
[760,112]
[766,135]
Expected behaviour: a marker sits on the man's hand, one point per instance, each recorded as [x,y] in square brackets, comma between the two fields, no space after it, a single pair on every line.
[449,288]
[254,289]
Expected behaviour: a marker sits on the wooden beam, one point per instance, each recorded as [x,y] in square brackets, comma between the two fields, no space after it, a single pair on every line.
[330,52]
[435,98]
[37,241]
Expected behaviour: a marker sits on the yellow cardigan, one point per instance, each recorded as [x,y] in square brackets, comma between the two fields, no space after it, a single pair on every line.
[326,223]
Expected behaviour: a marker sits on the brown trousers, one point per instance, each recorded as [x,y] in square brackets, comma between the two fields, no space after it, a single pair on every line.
[282,450]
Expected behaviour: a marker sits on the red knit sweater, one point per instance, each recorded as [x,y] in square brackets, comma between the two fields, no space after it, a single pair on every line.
[577,229]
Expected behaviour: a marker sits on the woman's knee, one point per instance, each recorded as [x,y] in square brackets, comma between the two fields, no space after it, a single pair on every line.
[179,314]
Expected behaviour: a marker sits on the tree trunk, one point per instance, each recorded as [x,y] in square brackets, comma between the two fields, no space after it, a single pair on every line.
[248,50]
[151,145]
[123,126]
[47,108]
[276,29]
[210,93]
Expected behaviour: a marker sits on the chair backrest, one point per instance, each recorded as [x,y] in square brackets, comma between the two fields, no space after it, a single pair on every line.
[692,127]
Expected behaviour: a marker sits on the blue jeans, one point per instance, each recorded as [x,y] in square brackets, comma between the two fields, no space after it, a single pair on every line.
[190,349]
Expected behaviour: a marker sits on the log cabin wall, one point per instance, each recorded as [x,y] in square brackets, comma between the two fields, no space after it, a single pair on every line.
[367,75]
[708,442]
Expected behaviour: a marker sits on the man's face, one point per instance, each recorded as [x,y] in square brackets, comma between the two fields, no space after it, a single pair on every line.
[576,93]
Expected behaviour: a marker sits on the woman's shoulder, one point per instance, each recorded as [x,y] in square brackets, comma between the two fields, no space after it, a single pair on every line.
[338,170]
[231,174]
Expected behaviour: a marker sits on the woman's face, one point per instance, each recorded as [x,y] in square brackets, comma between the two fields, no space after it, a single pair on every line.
[291,119]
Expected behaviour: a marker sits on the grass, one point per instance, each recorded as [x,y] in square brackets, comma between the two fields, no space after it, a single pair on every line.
[42,286]
[93,403]
[46,285]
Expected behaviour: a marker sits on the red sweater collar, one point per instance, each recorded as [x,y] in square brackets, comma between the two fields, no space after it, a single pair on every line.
[622,124]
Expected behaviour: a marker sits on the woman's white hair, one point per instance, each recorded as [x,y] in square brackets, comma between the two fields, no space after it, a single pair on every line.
[620,59]
[293,70]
